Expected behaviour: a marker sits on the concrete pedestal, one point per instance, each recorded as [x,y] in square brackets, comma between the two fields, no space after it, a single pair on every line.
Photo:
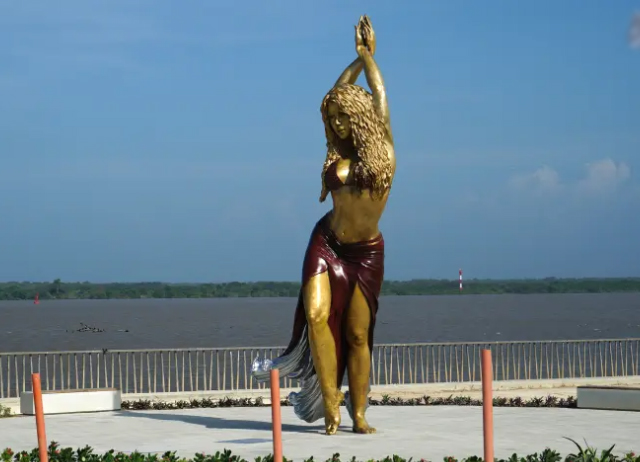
[612,398]
[72,401]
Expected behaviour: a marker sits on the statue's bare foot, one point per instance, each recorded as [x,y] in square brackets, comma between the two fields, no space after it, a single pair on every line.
[361,426]
[332,413]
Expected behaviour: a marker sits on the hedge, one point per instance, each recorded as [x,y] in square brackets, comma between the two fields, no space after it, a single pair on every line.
[86,454]
[143,404]
[549,401]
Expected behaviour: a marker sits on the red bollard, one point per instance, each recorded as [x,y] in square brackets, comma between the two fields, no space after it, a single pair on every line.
[37,404]
[487,405]
[276,417]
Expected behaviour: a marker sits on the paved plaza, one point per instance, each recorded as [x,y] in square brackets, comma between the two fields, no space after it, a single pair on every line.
[429,432]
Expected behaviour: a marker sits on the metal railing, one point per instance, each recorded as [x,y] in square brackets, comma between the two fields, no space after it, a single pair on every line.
[193,370]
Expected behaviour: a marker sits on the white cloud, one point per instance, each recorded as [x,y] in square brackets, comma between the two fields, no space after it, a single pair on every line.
[602,177]
[545,180]
[634,31]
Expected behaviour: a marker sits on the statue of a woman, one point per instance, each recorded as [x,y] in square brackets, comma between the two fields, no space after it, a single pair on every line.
[344,263]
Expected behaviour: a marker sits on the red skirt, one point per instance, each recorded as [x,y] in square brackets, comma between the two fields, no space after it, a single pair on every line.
[359,263]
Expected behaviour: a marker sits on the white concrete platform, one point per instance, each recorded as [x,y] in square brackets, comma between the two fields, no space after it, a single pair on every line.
[73,401]
[617,398]
[430,432]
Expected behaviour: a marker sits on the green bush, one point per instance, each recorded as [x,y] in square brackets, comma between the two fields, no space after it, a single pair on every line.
[4,411]
[86,454]
[549,401]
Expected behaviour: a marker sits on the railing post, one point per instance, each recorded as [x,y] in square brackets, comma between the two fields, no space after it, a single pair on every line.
[276,415]
[487,405]
[37,404]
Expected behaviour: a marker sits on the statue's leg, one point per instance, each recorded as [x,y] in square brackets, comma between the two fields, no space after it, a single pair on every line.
[358,321]
[317,305]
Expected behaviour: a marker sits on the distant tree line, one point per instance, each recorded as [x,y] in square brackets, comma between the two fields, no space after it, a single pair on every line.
[88,290]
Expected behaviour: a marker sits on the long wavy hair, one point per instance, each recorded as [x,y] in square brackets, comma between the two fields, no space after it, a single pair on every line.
[373,169]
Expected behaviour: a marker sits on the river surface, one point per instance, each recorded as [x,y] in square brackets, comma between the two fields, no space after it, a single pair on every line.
[248,322]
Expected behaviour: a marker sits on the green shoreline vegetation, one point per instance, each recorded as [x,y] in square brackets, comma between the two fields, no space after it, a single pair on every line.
[137,290]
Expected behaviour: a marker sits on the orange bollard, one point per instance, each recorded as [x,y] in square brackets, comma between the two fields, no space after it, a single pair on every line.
[276,417]
[487,405]
[37,404]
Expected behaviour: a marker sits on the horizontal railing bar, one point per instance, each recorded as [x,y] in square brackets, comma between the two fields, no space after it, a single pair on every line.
[166,370]
[377,345]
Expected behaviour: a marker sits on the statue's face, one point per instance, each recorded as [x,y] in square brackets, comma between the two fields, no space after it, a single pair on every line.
[339,121]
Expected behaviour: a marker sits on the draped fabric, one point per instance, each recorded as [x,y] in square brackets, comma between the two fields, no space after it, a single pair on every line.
[360,263]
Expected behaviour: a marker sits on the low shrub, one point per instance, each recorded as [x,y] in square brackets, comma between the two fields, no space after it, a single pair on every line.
[549,401]
[86,454]
[4,411]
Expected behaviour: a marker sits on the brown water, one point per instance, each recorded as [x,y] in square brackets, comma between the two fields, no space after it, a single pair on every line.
[184,323]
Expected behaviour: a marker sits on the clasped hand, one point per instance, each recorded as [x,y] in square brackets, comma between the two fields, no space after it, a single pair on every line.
[365,37]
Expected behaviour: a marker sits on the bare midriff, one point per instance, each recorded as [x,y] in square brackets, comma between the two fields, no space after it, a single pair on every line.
[356,213]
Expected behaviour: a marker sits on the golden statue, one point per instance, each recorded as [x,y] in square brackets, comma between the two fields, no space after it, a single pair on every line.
[343,266]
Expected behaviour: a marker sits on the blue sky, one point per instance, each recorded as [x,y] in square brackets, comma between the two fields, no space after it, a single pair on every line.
[182,141]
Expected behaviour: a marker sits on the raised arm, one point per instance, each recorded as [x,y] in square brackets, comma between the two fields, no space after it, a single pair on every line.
[376,84]
[373,74]
[351,73]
